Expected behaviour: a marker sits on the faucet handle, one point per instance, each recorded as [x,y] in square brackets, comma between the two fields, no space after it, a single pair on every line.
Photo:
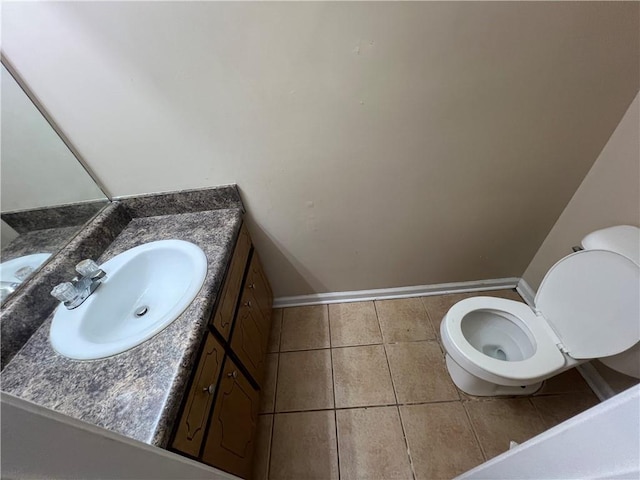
[24,272]
[87,267]
[65,292]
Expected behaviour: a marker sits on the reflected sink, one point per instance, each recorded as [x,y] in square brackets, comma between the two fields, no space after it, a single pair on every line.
[146,288]
[10,277]
[9,268]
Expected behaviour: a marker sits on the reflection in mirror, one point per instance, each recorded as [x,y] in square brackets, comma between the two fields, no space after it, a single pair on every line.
[46,194]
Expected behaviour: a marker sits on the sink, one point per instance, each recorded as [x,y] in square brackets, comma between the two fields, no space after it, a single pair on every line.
[10,277]
[9,268]
[146,288]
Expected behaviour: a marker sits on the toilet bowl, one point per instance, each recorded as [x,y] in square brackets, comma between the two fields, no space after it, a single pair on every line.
[586,307]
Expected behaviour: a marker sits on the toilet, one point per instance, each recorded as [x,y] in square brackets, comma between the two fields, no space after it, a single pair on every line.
[587,307]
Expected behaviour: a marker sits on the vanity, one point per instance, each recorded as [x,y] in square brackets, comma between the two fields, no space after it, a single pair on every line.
[218,417]
[193,388]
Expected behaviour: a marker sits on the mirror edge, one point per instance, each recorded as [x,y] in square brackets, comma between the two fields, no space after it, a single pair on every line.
[36,102]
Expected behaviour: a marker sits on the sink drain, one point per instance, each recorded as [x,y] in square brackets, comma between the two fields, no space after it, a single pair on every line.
[141,311]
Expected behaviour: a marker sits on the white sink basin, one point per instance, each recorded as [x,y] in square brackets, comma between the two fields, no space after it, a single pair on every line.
[159,278]
[9,268]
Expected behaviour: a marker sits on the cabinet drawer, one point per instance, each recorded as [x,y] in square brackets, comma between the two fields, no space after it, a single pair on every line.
[223,317]
[231,437]
[249,338]
[193,421]
[259,287]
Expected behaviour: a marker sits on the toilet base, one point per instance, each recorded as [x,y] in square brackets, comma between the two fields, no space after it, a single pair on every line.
[473,385]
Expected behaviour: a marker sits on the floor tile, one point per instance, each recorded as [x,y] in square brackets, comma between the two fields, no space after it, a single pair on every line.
[361,377]
[276,329]
[499,421]
[354,324]
[419,373]
[371,444]
[441,441]
[555,409]
[263,448]
[304,381]
[566,382]
[404,320]
[304,446]
[304,328]
[268,392]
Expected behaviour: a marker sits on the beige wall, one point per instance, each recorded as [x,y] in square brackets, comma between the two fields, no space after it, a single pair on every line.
[609,195]
[376,144]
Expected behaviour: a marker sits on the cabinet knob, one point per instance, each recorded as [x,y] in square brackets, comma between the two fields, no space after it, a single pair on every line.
[248,304]
[252,285]
[233,374]
[210,389]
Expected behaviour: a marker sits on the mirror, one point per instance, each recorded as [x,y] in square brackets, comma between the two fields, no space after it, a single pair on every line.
[46,194]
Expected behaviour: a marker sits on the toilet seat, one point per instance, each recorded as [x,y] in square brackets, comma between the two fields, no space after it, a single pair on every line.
[590,299]
[546,359]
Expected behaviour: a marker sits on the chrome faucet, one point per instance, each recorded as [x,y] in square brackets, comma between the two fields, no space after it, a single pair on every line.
[75,292]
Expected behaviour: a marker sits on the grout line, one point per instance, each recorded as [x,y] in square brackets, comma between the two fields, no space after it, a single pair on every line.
[273,424]
[333,388]
[355,407]
[359,345]
[275,395]
[395,394]
[540,416]
[375,309]
[281,329]
[386,357]
[406,443]
[473,430]
[269,449]
[433,326]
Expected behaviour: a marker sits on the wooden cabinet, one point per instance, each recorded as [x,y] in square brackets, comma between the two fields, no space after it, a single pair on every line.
[230,441]
[249,341]
[217,423]
[195,414]
[222,318]
[259,285]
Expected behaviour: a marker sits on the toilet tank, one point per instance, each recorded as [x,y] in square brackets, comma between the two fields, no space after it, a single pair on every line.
[622,239]
[625,240]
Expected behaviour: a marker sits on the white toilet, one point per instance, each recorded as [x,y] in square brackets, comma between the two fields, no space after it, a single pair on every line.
[587,307]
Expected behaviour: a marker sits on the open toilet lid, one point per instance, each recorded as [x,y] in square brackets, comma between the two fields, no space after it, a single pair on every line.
[592,300]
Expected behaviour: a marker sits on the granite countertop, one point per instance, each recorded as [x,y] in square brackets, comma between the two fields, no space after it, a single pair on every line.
[136,393]
[49,240]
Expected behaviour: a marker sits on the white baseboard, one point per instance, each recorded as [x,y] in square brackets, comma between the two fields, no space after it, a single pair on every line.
[391,293]
[598,384]
[526,292]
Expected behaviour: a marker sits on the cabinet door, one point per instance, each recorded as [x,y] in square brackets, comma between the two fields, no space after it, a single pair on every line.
[259,285]
[223,317]
[249,338]
[193,421]
[231,437]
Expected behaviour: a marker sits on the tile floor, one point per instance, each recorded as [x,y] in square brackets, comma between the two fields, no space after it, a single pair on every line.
[361,391]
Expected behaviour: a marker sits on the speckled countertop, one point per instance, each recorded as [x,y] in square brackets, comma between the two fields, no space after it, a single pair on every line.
[136,393]
[49,240]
